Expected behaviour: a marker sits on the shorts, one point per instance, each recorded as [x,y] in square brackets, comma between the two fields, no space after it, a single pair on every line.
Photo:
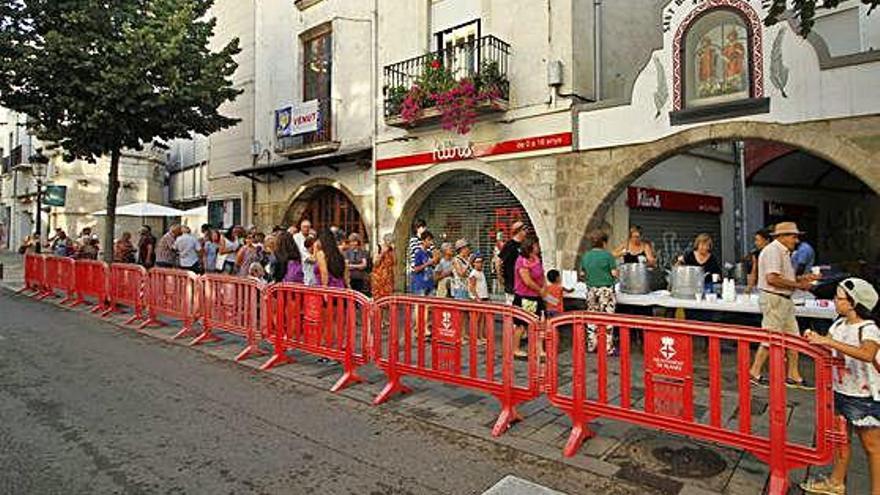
[778,314]
[601,299]
[861,412]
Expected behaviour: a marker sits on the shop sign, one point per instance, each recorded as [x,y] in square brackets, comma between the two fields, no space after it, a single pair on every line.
[54,195]
[658,199]
[669,372]
[447,151]
[297,119]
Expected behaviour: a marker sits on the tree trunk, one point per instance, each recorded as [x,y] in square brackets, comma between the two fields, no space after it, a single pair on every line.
[110,219]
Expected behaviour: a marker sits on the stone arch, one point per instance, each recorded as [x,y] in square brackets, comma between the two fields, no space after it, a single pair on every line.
[434,177]
[299,199]
[607,172]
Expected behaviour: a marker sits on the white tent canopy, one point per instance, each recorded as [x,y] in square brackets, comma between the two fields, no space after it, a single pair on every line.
[199,211]
[144,210]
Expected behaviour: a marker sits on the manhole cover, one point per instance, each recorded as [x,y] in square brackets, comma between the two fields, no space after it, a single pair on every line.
[689,462]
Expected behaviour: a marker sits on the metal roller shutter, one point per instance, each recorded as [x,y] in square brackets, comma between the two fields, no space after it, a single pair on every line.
[673,233]
[475,207]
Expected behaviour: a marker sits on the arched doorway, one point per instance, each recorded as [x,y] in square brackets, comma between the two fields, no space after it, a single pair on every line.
[326,206]
[473,206]
[732,188]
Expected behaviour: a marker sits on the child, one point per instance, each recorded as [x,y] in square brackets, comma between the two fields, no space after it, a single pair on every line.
[477,287]
[257,272]
[857,388]
[555,294]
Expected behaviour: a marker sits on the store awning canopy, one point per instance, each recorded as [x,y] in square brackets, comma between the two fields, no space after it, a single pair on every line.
[144,209]
[333,161]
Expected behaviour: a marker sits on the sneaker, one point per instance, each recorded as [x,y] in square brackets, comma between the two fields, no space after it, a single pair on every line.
[803,384]
[759,381]
[823,486]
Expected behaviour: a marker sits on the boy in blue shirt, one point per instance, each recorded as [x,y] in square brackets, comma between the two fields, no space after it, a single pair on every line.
[422,282]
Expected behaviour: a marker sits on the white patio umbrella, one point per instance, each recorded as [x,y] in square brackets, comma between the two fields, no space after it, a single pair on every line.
[199,211]
[144,209]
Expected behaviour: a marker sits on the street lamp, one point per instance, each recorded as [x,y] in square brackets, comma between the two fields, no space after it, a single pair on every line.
[39,169]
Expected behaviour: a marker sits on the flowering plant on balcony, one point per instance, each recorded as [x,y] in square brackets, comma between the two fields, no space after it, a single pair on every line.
[455,100]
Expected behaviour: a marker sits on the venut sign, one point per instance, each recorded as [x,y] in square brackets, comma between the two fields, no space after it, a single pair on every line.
[297,119]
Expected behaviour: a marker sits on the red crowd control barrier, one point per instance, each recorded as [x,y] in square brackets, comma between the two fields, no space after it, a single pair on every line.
[34,273]
[60,275]
[457,342]
[91,281]
[331,323]
[668,375]
[172,293]
[126,286]
[231,304]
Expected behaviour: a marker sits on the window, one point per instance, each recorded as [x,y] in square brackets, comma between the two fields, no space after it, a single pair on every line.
[224,213]
[717,59]
[317,63]
[458,46]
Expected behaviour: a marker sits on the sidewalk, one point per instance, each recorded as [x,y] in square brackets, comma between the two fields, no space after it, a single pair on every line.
[661,463]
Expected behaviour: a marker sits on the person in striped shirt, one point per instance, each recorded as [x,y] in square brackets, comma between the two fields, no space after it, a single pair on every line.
[415,242]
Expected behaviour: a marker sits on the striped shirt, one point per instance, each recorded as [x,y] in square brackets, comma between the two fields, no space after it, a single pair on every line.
[165,250]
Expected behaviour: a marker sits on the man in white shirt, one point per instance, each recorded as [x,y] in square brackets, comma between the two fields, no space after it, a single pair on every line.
[305,230]
[188,251]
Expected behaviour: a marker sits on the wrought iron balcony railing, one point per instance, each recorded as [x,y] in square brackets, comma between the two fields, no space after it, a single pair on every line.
[485,61]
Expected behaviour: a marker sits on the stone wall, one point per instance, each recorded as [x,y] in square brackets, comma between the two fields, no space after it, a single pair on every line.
[588,181]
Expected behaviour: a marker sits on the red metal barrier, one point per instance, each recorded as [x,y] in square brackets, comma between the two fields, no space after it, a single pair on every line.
[231,304]
[319,321]
[127,286]
[175,294]
[668,378]
[463,350]
[60,275]
[34,273]
[91,281]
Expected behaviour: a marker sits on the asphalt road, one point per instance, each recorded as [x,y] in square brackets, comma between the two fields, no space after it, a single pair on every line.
[87,407]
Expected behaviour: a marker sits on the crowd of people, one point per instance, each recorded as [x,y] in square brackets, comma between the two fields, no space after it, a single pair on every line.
[296,254]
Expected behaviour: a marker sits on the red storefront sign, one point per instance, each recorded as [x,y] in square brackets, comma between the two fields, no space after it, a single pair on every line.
[658,199]
[454,152]
[669,383]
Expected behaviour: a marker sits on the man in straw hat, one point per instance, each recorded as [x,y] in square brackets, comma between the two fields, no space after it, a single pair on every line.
[777,282]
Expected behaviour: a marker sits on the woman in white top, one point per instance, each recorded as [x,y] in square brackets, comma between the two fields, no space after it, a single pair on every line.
[857,389]
[461,270]
[477,287]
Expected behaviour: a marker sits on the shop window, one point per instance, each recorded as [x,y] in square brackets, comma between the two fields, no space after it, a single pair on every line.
[717,59]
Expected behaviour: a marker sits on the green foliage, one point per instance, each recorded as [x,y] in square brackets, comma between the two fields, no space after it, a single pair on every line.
[491,80]
[97,77]
[395,98]
[435,78]
[102,75]
[804,11]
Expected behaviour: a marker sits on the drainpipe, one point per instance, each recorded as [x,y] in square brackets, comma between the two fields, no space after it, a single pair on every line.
[597,49]
[374,115]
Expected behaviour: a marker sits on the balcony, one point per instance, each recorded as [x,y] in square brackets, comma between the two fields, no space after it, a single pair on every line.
[412,86]
[311,143]
[18,156]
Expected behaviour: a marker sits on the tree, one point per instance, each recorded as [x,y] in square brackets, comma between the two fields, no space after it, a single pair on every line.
[805,11]
[97,77]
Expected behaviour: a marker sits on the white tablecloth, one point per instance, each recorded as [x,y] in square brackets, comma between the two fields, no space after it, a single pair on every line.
[808,308]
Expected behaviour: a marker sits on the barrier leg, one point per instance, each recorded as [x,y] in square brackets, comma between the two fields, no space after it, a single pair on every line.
[348,378]
[206,336]
[393,386]
[252,350]
[186,330]
[279,357]
[579,433]
[506,419]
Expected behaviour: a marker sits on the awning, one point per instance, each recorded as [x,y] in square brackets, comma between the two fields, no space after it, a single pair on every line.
[143,210]
[199,211]
[302,165]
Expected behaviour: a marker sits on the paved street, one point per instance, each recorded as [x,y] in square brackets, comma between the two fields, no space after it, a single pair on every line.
[90,408]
